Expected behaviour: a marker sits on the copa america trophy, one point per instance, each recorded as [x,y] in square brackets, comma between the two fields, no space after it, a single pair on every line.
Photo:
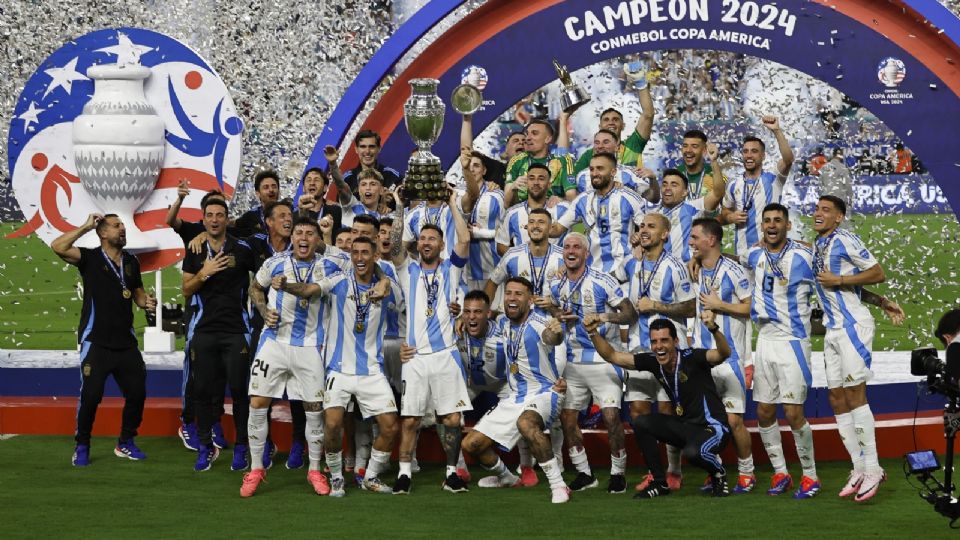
[423,115]
[118,146]
[573,96]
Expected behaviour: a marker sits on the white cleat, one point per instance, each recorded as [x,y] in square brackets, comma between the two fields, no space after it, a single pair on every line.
[495,482]
[559,495]
[853,484]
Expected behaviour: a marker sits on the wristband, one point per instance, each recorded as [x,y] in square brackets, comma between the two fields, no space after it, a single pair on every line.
[716,327]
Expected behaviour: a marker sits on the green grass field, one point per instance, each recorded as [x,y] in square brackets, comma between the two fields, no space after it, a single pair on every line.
[41,495]
[39,305]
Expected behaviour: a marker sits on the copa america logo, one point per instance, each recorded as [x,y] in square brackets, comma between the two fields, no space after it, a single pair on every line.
[891,72]
[474,75]
[110,123]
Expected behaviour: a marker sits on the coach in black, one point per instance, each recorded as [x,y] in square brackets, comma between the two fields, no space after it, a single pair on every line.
[700,425]
[219,277]
[108,344]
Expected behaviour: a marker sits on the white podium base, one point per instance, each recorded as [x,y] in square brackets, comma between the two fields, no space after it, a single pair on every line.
[158,341]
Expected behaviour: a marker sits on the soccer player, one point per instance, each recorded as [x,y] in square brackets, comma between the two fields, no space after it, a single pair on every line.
[699,174]
[108,345]
[630,151]
[434,379]
[532,403]
[485,213]
[699,426]
[725,290]
[538,134]
[486,363]
[537,260]
[220,348]
[609,142]
[369,187]
[746,196]
[843,265]
[396,319]
[782,275]
[513,229]
[267,186]
[578,292]
[608,212]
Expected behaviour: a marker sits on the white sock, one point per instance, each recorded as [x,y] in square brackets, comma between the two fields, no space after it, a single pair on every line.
[556,441]
[867,438]
[378,462]
[257,429]
[848,434]
[451,469]
[673,460]
[335,462]
[803,438]
[363,441]
[405,470]
[314,434]
[523,448]
[503,473]
[745,466]
[618,462]
[770,436]
[578,456]
[552,471]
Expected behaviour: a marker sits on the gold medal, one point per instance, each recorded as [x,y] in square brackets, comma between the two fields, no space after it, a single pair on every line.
[429,312]
[514,368]
[358,328]
[679,410]
[783,281]
[304,303]
[126,294]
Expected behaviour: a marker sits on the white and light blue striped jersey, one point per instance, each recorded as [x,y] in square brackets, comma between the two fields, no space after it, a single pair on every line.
[353,209]
[732,284]
[751,195]
[513,228]
[396,312]
[486,357]
[484,221]
[531,364]
[354,344]
[842,253]
[664,280]
[301,320]
[782,288]
[594,292]
[430,327]
[610,219]
[624,175]
[441,216]
[681,219]
[518,261]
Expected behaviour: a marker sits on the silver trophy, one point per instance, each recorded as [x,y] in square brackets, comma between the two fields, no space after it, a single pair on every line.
[423,115]
[573,96]
[466,99]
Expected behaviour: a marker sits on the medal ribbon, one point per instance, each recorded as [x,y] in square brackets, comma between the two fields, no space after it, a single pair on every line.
[516,341]
[574,288]
[476,205]
[819,256]
[538,278]
[646,284]
[363,308]
[748,197]
[432,287]
[675,391]
[775,262]
[118,271]
[713,278]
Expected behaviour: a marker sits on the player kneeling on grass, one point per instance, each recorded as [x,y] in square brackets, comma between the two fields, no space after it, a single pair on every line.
[700,425]
[534,398]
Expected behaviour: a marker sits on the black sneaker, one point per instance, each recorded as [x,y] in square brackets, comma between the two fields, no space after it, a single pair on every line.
[617,484]
[583,481]
[402,485]
[655,489]
[720,488]
[454,484]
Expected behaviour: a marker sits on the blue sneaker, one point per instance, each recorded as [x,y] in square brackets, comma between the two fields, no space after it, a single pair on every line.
[188,434]
[808,488]
[129,450]
[206,455]
[81,455]
[295,459]
[240,460]
[217,433]
[268,451]
[745,483]
[780,483]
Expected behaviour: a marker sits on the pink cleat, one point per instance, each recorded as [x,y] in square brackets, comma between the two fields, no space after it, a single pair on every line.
[251,481]
[319,482]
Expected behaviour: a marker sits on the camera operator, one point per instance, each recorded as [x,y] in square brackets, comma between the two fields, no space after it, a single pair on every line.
[948,332]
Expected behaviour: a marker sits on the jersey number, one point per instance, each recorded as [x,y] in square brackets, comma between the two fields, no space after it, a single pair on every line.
[261,366]
[603,225]
[768,284]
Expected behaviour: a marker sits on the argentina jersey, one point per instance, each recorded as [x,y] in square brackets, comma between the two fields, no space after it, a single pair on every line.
[428,294]
[484,221]
[301,319]
[519,261]
[440,216]
[487,360]
[664,280]
[396,313]
[611,219]
[782,288]
[751,195]
[354,337]
[531,364]
[513,228]
[842,253]
[353,209]
[594,292]
[732,284]
[681,219]
[624,175]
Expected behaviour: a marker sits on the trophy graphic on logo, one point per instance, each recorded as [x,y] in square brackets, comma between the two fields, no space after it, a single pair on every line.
[423,115]
[573,96]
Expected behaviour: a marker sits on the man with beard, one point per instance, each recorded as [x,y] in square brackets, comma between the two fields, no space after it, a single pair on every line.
[533,402]
[630,151]
[396,319]
[513,228]
[608,212]
[220,348]
[108,345]
[367,145]
[581,291]
[843,266]
[538,134]
[746,196]
[699,174]
[434,375]
[606,141]
[267,186]
[699,426]
[485,213]
[725,289]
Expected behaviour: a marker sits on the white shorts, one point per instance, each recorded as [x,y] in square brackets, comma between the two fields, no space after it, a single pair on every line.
[643,386]
[500,389]
[392,366]
[496,303]
[434,382]
[500,423]
[373,393]
[600,381]
[781,372]
[278,366]
[731,387]
[846,355]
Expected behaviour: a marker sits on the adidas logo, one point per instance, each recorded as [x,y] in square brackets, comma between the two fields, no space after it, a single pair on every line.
[849,378]
[789,396]
[461,404]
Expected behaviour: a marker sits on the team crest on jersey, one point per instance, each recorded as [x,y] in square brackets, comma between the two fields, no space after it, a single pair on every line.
[524,274]
[588,297]
[683,377]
